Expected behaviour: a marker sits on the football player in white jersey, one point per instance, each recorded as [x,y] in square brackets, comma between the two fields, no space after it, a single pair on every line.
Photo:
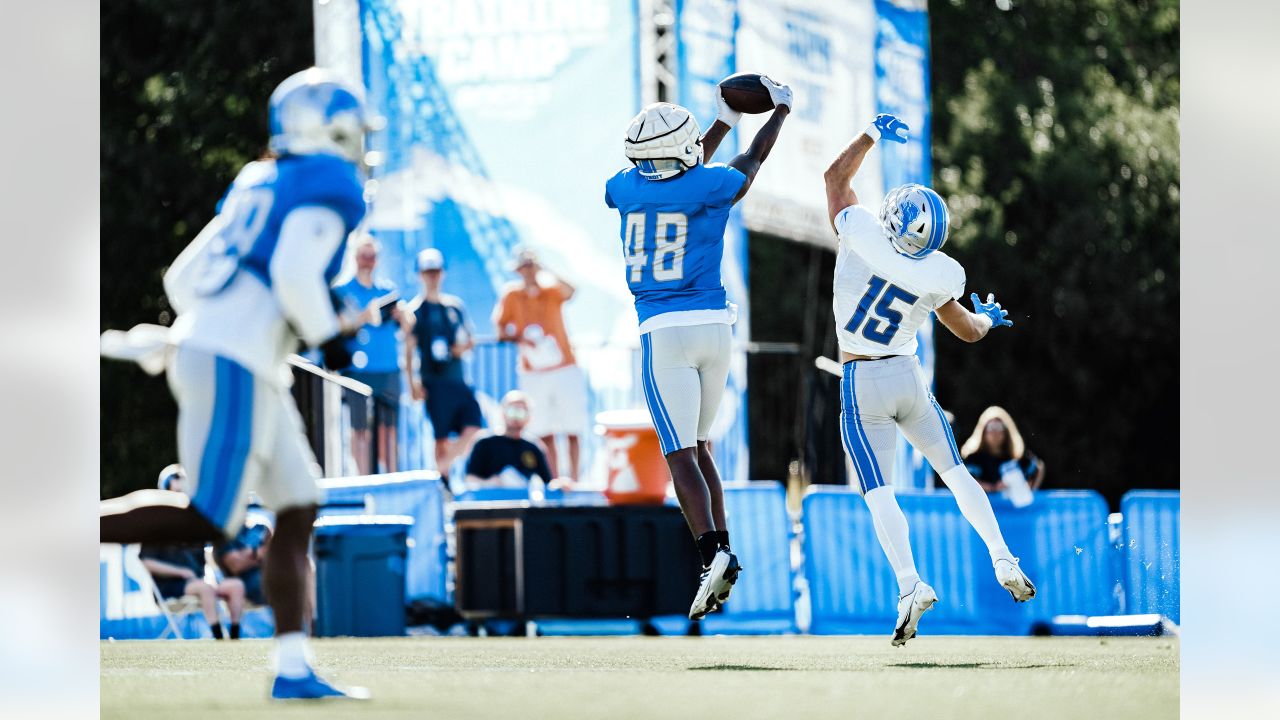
[890,276]
[252,284]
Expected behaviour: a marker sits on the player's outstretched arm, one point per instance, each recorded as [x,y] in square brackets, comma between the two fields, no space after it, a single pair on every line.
[973,326]
[749,162]
[839,174]
[309,236]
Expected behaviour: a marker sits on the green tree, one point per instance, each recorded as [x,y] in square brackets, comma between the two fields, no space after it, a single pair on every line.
[1056,146]
[184,89]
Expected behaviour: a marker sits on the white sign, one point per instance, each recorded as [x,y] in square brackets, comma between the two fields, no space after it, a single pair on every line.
[825,52]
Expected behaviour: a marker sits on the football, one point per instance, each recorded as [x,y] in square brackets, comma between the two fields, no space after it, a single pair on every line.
[745,93]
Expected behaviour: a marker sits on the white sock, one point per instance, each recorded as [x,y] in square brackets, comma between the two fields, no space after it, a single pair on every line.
[976,508]
[293,655]
[891,529]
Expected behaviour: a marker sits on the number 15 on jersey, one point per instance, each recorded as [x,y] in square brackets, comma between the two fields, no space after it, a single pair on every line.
[884,324]
[669,234]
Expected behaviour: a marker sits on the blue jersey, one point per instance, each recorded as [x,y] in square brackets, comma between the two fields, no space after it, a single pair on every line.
[265,192]
[374,349]
[673,236]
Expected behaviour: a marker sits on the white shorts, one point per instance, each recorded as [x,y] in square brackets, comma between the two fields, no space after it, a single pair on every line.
[683,371]
[238,433]
[880,397]
[559,400]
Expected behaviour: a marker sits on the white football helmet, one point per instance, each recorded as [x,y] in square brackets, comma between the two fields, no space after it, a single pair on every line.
[916,220]
[314,111]
[663,141]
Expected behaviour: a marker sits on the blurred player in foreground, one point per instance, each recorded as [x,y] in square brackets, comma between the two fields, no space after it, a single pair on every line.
[674,207]
[254,282]
[890,275]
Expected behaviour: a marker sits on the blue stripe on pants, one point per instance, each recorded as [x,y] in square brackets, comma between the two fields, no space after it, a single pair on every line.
[844,428]
[946,427]
[226,448]
[864,462]
[877,478]
[666,431]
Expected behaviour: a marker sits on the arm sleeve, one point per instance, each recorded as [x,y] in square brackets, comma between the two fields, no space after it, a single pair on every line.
[608,200]
[502,312]
[956,288]
[309,237]
[480,462]
[855,220]
[731,181]
[544,470]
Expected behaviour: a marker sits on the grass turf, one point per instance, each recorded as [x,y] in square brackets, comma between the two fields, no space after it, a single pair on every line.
[735,678]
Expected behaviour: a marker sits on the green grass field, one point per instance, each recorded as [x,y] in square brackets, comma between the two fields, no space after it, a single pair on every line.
[793,678]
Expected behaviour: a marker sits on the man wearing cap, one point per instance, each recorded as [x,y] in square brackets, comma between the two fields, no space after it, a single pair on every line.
[439,329]
[530,314]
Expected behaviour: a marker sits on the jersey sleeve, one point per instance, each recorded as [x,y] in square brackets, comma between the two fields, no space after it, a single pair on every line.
[334,185]
[480,463]
[502,311]
[543,469]
[855,221]
[727,182]
[953,289]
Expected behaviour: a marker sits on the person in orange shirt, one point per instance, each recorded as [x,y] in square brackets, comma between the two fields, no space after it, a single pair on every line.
[530,315]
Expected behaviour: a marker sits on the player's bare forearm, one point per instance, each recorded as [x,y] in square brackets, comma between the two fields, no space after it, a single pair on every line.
[749,162]
[763,142]
[712,138]
[969,327]
[839,174]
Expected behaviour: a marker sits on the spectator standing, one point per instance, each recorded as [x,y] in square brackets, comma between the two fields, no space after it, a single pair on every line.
[509,459]
[243,557]
[178,570]
[996,447]
[438,329]
[530,314]
[375,359]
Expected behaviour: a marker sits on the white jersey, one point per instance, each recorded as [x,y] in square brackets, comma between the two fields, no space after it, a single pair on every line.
[256,325]
[881,296]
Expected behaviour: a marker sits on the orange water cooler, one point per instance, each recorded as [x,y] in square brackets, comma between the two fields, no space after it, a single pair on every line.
[638,473]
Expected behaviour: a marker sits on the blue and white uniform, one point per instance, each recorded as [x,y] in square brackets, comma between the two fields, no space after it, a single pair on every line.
[673,241]
[247,289]
[881,298]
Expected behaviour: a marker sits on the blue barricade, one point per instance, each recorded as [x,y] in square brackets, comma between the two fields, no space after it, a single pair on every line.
[1152,522]
[493,495]
[1061,538]
[763,600]
[418,494]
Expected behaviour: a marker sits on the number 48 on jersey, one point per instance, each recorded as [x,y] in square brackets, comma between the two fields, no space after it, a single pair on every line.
[669,234]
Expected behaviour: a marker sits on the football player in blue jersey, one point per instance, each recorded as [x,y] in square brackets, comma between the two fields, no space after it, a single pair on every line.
[674,206]
[252,284]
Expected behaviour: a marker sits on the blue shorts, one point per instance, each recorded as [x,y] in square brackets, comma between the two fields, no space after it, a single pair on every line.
[451,406]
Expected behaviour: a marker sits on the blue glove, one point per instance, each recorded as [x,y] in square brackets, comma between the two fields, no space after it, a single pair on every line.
[990,308]
[886,127]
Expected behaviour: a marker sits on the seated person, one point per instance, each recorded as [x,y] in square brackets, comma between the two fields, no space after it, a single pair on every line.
[178,570]
[243,557]
[995,447]
[508,460]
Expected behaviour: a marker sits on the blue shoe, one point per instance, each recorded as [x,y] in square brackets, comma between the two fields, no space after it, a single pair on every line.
[312,687]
